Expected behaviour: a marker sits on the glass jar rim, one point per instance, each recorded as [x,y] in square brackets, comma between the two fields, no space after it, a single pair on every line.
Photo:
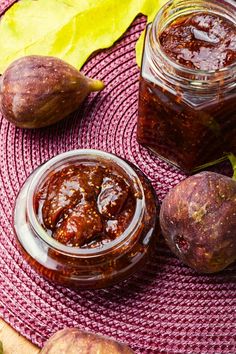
[227,70]
[65,157]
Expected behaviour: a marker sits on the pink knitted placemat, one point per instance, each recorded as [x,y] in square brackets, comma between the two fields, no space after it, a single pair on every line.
[168,308]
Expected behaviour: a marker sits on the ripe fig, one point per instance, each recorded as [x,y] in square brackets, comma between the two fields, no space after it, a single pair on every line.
[37,91]
[198,221]
[75,341]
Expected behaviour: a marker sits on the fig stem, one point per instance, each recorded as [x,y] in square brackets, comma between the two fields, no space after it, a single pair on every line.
[232,159]
[96,85]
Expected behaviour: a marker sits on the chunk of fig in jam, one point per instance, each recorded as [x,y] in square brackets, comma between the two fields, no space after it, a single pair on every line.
[113,195]
[117,227]
[85,205]
[63,192]
[80,225]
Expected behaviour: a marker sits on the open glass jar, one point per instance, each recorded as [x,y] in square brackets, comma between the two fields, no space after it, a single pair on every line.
[92,264]
[186,115]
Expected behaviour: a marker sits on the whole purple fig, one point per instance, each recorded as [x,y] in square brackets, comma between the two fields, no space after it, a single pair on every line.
[37,91]
[75,341]
[198,221]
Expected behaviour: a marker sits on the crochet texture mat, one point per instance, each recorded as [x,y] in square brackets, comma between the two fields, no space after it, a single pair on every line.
[167,308]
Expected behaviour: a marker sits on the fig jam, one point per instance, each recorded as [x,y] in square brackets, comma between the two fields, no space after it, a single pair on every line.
[86,219]
[201,41]
[187,90]
[85,205]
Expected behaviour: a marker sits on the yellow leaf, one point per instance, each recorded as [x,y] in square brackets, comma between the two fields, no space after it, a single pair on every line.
[149,9]
[69,29]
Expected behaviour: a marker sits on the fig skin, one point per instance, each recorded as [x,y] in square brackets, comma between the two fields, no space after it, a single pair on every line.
[37,91]
[198,221]
[75,341]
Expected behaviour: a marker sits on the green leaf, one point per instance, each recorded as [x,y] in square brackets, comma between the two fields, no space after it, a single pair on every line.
[232,159]
[69,29]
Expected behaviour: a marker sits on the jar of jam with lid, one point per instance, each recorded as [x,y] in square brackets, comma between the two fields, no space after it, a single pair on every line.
[86,219]
[187,113]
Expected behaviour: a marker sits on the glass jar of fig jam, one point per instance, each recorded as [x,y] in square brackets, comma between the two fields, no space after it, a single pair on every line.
[86,219]
[187,94]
